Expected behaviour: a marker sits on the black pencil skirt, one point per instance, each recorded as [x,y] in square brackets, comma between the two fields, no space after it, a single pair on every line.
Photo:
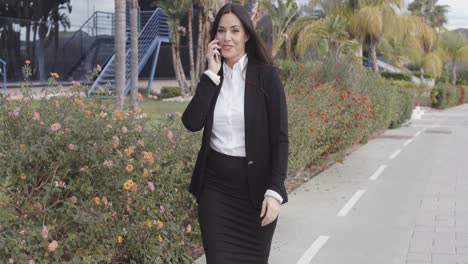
[230,226]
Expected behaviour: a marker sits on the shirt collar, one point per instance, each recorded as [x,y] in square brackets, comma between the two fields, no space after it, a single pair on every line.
[239,66]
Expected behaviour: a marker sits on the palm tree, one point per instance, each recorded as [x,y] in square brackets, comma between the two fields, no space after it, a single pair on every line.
[372,20]
[456,48]
[134,52]
[120,52]
[328,35]
[281,17]
[433,14]
[420,40]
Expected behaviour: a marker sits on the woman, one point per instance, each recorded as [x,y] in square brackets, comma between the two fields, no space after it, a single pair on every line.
[239,175]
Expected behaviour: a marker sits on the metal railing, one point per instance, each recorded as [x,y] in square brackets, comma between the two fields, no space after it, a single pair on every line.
[3,73]
[100,23]
[150,37]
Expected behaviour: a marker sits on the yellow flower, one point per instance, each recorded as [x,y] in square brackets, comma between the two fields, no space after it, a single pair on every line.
[128,185]
[23,176]
[97,200]
[160,238]
[148,223]
[54,75]
[119,239]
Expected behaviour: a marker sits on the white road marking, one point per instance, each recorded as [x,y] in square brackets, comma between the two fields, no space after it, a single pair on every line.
[407,142]
[313,250]
[378,172]
[418,133]
[395,154]
[344,211]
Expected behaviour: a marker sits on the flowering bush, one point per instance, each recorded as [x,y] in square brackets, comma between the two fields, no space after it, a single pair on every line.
[83,184]
[327,115]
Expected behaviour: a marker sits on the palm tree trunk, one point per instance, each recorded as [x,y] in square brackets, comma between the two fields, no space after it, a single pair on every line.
[134,52]
[421,75]
[256,12]
[41,50]
[177,63]
[120,52]
[201,34]
[454,73]
[193,74]
[207,40]
[373,55]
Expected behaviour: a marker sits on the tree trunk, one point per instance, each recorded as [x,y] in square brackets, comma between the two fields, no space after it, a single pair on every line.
[56,34]
[201,35]
[373,55]
[134,52]
[454,73]
[180,76]
[41,52]
[193,74]
[421,75]
[33,56]
[257,13]
[207,40]
[120,52]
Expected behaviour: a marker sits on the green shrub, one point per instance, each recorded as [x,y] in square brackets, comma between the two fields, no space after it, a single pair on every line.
[396,76]
[169,92]
[445,95]
[98,184]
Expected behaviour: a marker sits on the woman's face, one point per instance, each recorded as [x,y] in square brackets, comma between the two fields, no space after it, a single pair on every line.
[232,38]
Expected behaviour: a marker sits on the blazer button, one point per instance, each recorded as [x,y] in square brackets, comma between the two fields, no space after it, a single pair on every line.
[250,163]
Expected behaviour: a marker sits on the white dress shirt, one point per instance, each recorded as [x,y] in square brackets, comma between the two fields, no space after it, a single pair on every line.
[228,133]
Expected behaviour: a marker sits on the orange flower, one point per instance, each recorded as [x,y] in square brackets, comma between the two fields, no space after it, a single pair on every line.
[97,200]
[145,172]
[149,224]
[300,66]
[159,225]
[129,168]
[129,151]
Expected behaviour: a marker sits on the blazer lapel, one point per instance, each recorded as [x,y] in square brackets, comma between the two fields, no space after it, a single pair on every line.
[251,84]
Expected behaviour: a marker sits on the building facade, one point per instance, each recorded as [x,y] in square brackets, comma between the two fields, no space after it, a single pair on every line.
[69,37]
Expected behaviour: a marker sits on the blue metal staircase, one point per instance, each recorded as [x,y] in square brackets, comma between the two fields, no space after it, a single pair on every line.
[3,74]
[154,32]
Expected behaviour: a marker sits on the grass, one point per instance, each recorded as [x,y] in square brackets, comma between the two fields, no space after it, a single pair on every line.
[158,109]
[155,109]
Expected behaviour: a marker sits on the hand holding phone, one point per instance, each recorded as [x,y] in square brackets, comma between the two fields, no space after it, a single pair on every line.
[213,55]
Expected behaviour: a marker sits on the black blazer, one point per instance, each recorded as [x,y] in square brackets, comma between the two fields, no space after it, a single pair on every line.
[266,130]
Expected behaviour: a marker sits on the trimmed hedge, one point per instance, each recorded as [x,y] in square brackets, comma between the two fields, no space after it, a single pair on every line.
[396,76]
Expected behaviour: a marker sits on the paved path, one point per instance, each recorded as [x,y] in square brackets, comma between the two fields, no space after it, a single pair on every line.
[400,199]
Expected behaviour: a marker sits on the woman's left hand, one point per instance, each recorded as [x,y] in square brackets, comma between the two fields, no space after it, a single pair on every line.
[270,210]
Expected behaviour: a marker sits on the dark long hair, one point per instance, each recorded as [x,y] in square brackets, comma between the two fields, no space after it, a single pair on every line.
[255,47]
